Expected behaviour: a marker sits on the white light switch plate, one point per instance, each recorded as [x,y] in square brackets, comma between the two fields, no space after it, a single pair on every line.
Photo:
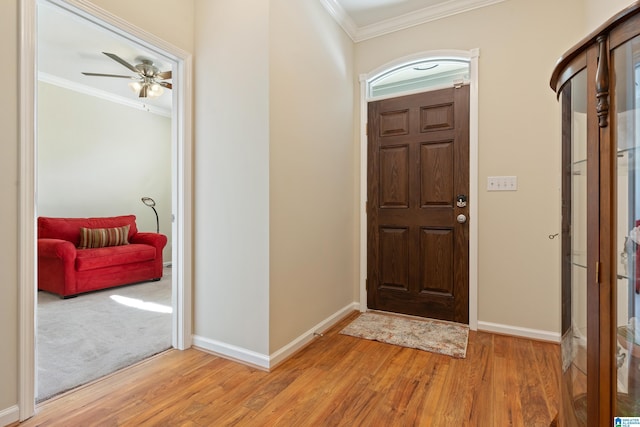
[502,183]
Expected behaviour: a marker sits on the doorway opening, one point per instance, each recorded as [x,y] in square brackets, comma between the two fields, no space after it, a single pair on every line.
[411,75]
[178,198]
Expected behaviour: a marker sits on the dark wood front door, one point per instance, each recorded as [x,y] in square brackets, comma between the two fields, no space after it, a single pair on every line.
[418,168]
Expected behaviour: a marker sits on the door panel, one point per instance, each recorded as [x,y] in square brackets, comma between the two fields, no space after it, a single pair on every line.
[436,273]
[436,182]
[394,123]
[436,117]
[418,162]
[394,247]
[394,177]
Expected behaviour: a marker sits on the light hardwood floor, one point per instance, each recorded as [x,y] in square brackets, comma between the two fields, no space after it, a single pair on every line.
[335,381]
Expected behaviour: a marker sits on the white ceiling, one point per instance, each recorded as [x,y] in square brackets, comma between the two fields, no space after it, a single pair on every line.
[365,19]
[68,44]
[368,12]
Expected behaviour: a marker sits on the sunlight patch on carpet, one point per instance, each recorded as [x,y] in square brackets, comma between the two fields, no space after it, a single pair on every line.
[142,305]
[435,336]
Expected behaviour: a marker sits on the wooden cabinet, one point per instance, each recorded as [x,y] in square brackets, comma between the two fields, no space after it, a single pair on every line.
[598,85]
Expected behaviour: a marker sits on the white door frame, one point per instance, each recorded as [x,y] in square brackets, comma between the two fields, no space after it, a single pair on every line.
[466,55]
[181,182]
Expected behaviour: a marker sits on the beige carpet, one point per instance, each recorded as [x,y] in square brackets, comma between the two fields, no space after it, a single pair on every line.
[84,338]
[436,336]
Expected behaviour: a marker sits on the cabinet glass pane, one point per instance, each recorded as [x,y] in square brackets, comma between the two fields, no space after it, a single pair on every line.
[574,339]
[626,121]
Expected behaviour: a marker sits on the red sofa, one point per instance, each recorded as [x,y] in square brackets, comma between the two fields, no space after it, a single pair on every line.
[66,268]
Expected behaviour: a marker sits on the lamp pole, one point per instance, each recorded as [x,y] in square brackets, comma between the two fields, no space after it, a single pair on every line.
[152,203]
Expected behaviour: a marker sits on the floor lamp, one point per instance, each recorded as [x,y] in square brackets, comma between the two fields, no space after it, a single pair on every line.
[152,203]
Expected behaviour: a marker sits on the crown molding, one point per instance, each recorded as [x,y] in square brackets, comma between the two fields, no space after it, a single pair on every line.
[428,14]
[338,13]
[87,90]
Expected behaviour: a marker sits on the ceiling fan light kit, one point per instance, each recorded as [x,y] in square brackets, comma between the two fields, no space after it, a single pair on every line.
[146,89]
[149,80]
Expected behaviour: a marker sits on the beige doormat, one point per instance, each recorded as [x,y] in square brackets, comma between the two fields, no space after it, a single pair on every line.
[425,334]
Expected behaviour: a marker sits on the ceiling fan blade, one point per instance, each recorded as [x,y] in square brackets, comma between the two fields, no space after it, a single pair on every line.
[122,61]
[107,75]
[165,75]
[143,91]
[165,84]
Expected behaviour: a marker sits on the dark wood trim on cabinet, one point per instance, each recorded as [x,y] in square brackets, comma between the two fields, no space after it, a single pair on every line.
[595,411]
[602,82]
[556,82]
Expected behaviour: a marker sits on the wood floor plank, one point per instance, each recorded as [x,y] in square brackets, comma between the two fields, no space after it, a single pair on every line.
[506,395]
[345,392]
[392,404]
[549,372]
[337,380]
[531,388]
[458,411]
[480,358]
[353,399]
[424,408]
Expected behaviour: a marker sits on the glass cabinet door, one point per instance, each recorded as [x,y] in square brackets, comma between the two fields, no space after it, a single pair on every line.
[574,293]
[626,128]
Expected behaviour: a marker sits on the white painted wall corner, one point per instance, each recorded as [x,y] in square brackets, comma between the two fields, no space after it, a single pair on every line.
[264,361]
[297,344]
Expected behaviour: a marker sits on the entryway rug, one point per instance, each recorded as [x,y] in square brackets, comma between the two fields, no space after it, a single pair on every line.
[424,334]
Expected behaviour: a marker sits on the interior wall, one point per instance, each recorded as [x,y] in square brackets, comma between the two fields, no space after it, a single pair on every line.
[98,158]
[598,11]
[9,208]
[231,253]
[171,20]
[312,189]
[519,134]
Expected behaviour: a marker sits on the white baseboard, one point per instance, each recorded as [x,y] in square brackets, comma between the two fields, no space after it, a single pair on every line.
[231,351]
[288,350]
[263,361]
[9,415]
[535,334]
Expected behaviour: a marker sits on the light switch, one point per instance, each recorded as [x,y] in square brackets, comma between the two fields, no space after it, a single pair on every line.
[502,183]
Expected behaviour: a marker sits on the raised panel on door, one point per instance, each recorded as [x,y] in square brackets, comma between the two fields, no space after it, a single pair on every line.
[436,117]
[394,177]
[436,183]
[436,265]
[393,123]
[394,250]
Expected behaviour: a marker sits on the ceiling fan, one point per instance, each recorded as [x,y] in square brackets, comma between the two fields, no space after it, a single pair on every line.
[149,81]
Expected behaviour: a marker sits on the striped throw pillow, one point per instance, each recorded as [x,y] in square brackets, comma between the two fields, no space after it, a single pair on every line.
[103,237]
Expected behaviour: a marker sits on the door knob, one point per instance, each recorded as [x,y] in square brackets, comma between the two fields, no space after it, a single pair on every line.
[461,218]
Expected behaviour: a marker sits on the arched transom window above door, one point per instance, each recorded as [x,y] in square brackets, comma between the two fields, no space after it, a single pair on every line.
[421,75]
